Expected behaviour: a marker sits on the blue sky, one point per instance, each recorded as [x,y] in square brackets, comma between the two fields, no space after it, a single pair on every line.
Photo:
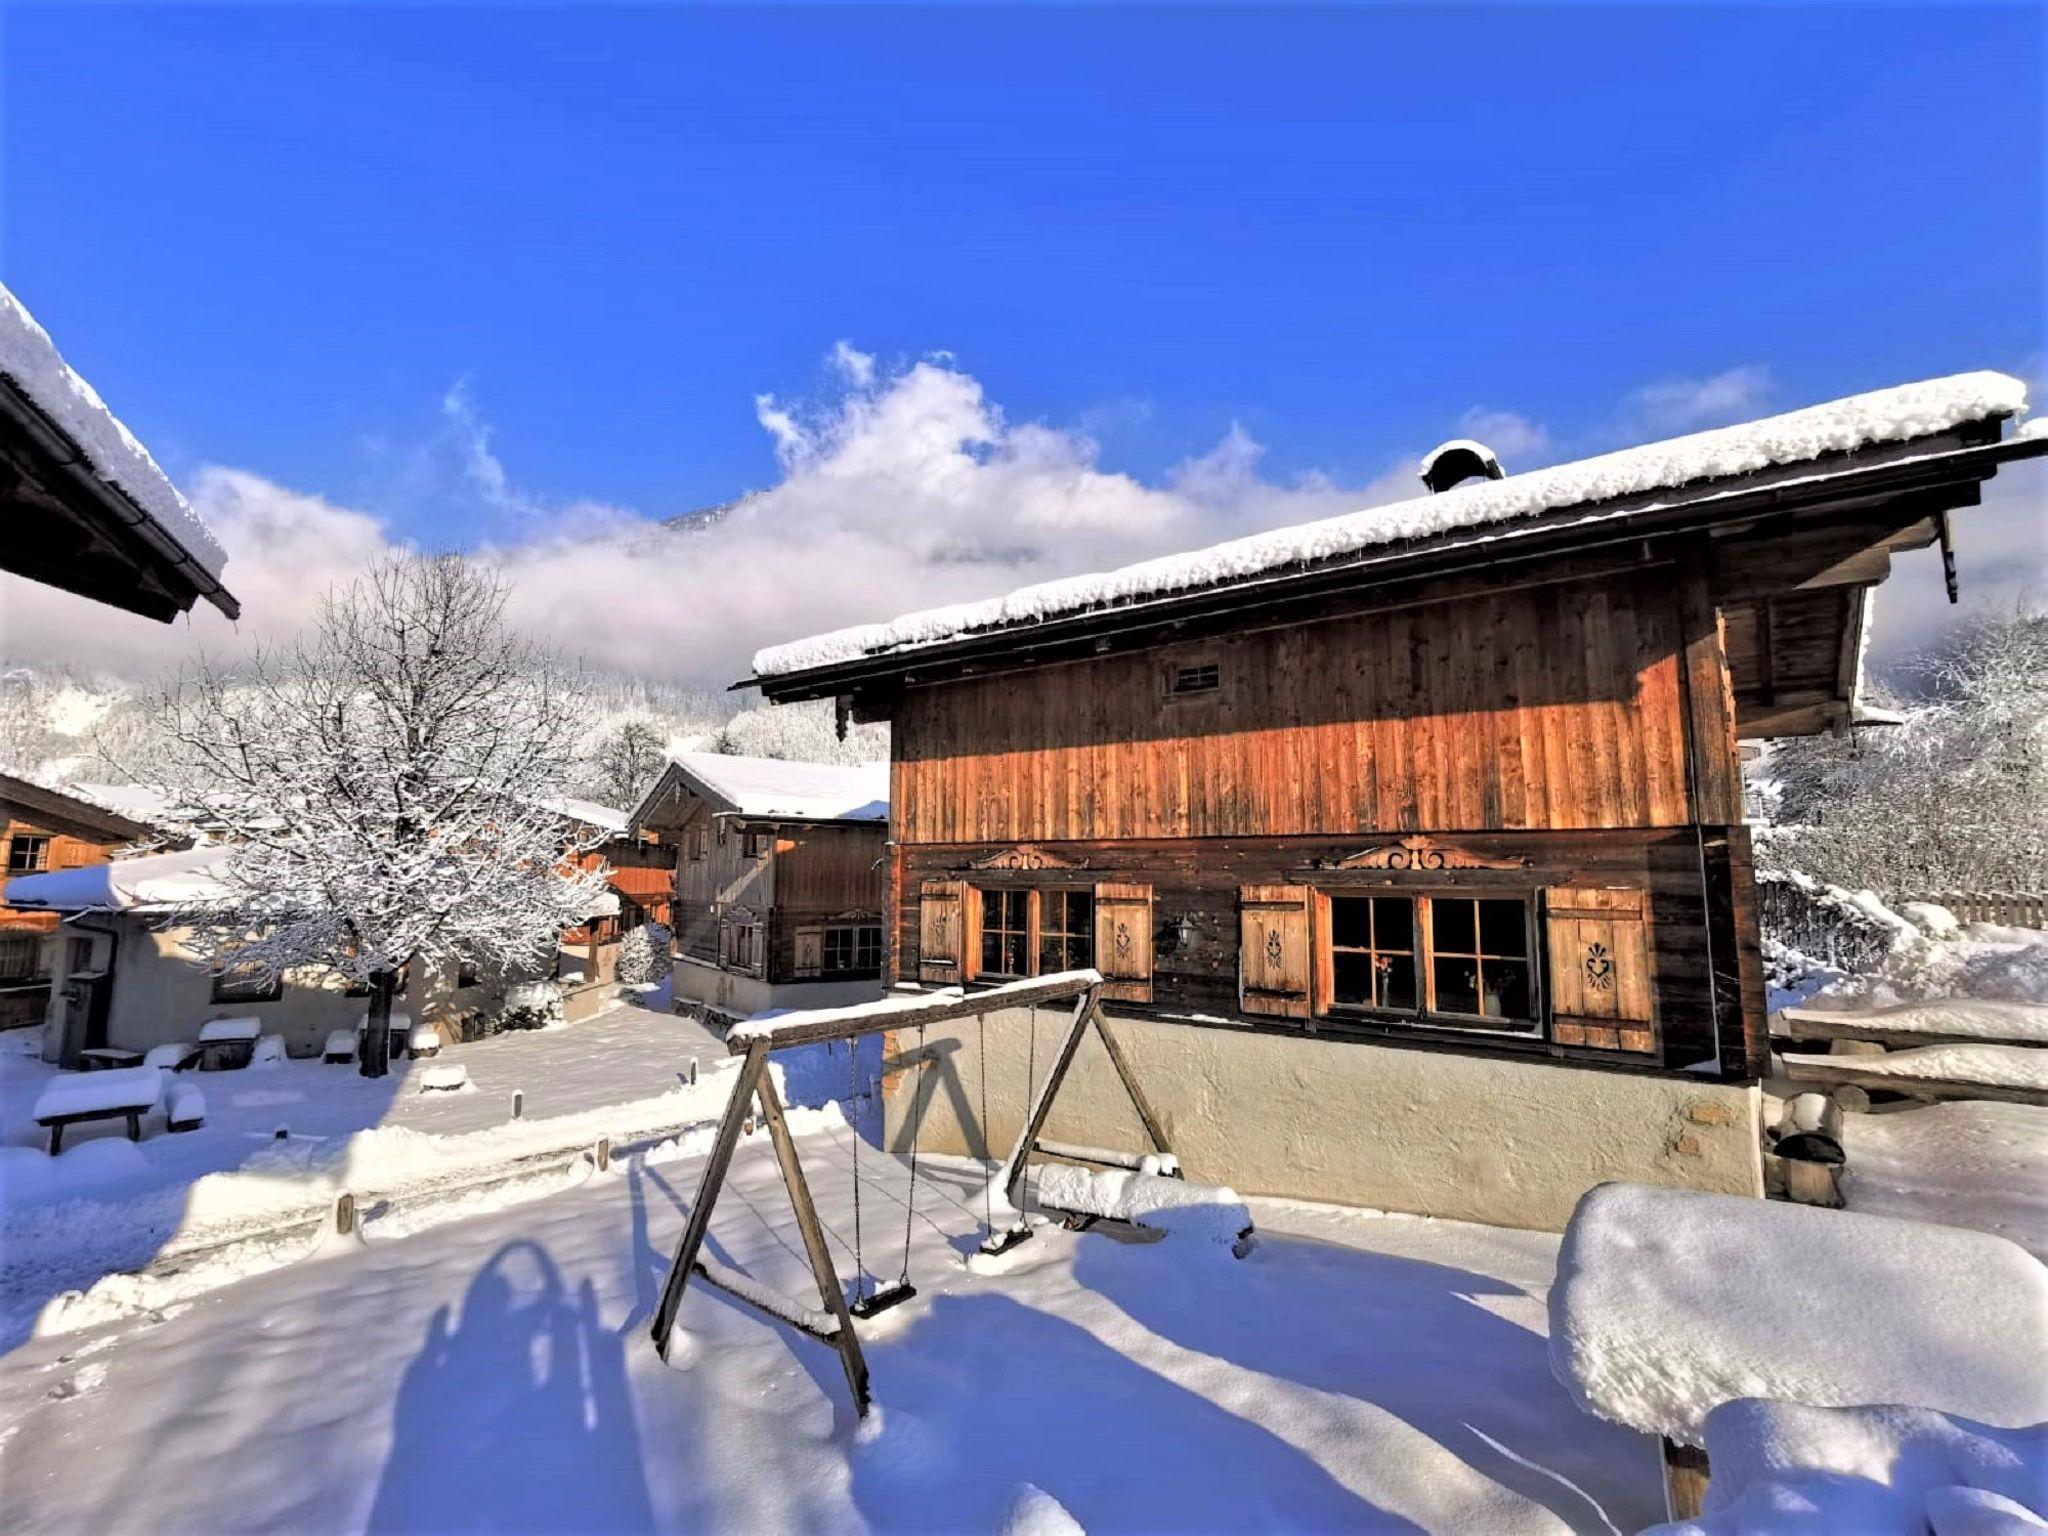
[276,236]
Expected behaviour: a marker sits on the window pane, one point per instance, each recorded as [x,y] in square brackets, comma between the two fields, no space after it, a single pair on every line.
[1507,990]
[992,950]
[1452,916]
[1397,982]
[1502,930]
[1393,922]
[1350,922]
[1081,913]
[1351,978]
[1457,984]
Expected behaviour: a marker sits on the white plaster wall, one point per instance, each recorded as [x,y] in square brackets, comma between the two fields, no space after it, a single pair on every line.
[162,992]
[1512,1143]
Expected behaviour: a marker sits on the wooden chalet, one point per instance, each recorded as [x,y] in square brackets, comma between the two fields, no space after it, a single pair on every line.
[1411,842]
[86,508]
[46,830]
[780,881]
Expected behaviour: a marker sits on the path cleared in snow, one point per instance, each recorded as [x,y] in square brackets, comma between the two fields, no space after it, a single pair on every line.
[1357,1372]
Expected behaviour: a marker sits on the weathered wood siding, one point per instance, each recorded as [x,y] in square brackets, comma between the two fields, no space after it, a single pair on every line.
[1560,706]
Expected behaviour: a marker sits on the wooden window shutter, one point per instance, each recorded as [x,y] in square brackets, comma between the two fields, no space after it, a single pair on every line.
[1123,941]
[1598,943]
[1274,960]
[945,947]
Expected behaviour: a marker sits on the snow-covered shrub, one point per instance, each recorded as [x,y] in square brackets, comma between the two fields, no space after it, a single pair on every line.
[531,1005]
[643,956]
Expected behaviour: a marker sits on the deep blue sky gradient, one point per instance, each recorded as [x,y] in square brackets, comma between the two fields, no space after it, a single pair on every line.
[274,236]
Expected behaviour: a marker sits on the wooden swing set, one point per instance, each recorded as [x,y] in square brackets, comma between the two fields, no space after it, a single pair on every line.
[831,1323]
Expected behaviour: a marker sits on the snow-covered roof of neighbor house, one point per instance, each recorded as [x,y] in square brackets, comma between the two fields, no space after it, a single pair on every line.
[72,805]
[777,787]
[1884,416]
[152,882]
[1671,1302]
[30,361]
[142,802]
[590,813]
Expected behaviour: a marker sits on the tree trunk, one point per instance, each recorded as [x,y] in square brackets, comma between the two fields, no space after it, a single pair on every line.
[374,1054]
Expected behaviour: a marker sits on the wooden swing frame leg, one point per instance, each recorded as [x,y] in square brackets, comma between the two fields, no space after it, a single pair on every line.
[756,1086]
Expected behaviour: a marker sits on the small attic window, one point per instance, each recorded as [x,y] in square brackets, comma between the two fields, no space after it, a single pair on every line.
[1194,678]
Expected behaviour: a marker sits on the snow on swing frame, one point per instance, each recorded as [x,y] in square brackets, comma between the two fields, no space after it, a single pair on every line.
[1132,1194]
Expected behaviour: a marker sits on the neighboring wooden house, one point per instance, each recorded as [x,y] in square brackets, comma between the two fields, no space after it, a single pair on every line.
[46,830]
[85,506]
[1410,842]
[779,883]
[641,881]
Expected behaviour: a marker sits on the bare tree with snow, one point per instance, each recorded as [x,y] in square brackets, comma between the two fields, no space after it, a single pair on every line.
[1953,798]
[626,761]
[385,779]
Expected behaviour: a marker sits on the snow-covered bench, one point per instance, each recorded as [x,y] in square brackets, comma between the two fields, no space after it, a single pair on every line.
[1945,1021]
[226,1043]
[1669,1303]
[118,1093]
[341,1045]
[2017,1074]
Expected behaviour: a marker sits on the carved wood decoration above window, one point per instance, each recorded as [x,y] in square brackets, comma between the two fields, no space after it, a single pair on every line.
[1420,853]
[1025,856]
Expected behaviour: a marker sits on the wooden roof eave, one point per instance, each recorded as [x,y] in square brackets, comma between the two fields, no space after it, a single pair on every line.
[1953,460]
[170,578]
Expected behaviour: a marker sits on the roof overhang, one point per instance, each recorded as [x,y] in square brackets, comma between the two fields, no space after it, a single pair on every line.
[69,528]
[1944,468]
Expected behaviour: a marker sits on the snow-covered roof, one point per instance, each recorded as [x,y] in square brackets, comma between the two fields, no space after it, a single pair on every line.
[1860,421]
[152,882]
[590,813]
[773,786]
[31,360]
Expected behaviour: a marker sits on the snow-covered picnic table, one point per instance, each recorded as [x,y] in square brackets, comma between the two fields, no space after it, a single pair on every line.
[115,1093]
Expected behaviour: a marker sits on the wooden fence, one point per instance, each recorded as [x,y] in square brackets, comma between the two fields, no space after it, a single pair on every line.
[2008,908]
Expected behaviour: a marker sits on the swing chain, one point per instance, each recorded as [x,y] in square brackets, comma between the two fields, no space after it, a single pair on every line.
[860,1269]
[916,1129]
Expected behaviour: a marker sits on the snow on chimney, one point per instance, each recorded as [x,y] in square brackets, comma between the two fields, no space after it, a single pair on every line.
[1457,461]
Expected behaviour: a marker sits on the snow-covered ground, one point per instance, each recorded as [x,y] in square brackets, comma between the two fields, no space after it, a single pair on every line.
[1355,1372]
[107,1205]
[1965,1164]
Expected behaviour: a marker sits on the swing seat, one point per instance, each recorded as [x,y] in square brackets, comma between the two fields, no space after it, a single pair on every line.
[1005,1240]
[878,1301]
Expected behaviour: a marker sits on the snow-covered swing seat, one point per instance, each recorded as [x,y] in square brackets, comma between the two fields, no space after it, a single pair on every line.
[1133,1191]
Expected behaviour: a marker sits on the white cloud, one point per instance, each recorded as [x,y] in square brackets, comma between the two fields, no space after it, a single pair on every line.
[1518,442]
[1669,407]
